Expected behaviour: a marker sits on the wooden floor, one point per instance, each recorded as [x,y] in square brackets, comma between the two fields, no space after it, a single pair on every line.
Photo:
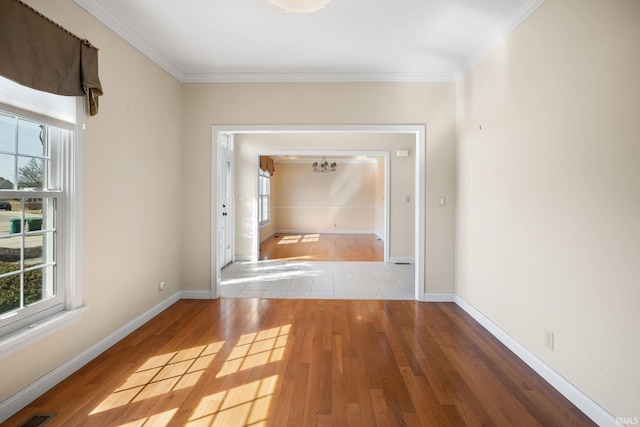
[323,247]
[254,362]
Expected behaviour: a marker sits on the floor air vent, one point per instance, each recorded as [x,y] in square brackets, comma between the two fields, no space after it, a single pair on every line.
[37,420]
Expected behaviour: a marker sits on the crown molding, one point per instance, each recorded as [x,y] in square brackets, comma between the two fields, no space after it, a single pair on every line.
[332,77]
[521,14]
[130,36]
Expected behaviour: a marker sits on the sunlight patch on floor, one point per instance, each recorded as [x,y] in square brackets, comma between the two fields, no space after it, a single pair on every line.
[162,419]
[257,349]
[245,405]
[292,240]
[162,374]
[272,272]
[289,240]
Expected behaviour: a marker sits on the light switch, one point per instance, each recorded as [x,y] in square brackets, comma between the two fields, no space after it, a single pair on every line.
[443,201]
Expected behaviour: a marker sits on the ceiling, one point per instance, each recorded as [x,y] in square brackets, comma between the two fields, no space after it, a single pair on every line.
[347,41]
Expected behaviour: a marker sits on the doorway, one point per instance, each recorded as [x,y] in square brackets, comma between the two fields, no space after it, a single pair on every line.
[417,135]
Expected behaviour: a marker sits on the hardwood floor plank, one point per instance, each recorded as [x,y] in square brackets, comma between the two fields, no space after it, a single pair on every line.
[296,415]
[240,362]
[282,404]
[338,399]
[353,415]
[380,409]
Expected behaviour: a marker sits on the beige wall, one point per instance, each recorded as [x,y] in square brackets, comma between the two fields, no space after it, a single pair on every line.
[431,104]
[353,219]
[549,192]
[131,199]
[336,202]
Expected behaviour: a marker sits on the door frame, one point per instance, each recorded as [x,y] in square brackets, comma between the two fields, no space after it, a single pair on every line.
[419,132]
[227,155]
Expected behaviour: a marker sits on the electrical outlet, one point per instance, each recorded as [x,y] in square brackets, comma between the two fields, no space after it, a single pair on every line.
[548,339]
[161,285]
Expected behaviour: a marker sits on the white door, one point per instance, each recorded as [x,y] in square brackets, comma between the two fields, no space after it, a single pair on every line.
[226,227]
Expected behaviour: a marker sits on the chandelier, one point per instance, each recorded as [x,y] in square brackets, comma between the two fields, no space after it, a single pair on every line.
[299,6]
[324,166]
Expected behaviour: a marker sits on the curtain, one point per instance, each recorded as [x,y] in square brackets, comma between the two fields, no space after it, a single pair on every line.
[38,53]
[268,165]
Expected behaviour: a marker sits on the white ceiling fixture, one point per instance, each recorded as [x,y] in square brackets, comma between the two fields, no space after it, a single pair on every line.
[206,41]
[300,6]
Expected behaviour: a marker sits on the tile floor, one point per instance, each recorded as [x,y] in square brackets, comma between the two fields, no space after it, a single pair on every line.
[318,280]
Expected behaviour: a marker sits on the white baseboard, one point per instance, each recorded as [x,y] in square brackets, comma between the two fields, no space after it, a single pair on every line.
[590,408]
[34,390]
[438,297]
[195,295]
[402,260]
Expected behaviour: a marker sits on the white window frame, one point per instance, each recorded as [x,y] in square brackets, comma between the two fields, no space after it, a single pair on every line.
[262,176]
[69,235]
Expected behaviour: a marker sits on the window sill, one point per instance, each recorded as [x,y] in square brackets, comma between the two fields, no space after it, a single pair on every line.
[27,336]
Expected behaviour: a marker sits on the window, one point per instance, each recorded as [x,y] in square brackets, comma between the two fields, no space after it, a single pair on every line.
[39,221]
[264,196]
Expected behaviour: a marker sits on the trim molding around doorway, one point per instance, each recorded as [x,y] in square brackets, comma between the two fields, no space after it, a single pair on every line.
[419,133]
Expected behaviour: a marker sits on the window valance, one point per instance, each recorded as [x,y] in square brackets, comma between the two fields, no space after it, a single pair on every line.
[38,53]
[268,165]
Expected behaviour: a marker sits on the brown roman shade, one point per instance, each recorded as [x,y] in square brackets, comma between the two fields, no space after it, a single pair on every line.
[267,164]
[38,53]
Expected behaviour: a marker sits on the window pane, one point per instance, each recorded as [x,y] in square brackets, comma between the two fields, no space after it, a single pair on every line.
[31,173]
[9,292]
[10,254]
[10,238]
[31,138]
[38,285]
[27,249]
[7,172]
[7,126]
[265,210]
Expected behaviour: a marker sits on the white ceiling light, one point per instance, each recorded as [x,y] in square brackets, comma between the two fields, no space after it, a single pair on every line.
[299,6]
